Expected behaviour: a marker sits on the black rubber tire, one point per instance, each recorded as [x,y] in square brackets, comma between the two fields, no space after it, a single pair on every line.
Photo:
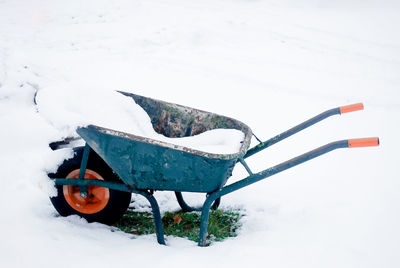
[117,203]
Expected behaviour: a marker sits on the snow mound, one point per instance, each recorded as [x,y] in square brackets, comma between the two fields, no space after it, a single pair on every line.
[67,109]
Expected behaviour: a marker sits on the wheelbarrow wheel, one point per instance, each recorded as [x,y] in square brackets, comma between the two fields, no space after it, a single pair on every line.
[102,204]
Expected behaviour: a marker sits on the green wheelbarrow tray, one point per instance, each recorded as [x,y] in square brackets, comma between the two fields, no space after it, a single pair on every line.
[145,165]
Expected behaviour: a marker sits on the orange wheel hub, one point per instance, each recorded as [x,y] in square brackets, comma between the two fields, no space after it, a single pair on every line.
[97,198]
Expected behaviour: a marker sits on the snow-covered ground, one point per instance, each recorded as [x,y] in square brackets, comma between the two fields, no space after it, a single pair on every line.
[270,64]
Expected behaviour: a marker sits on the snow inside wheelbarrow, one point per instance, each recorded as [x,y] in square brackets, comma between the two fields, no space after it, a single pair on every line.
[145,163]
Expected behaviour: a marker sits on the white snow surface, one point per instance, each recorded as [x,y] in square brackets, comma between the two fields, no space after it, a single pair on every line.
[271,64]
[109,109]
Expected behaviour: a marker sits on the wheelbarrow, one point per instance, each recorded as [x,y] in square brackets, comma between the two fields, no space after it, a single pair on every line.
[97,182]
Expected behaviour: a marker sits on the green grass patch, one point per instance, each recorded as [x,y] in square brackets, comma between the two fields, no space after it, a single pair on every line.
[222,224]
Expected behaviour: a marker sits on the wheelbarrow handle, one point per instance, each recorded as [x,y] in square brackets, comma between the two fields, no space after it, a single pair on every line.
[253,178]
[351,143]
[304,125]
[365,142]
[351,108]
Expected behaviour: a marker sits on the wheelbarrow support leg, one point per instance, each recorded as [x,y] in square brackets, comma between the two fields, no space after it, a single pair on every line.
[205,215]
[186,208]
[156,215]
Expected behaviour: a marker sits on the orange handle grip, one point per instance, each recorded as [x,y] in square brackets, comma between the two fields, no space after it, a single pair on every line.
[365,142]
[351,108]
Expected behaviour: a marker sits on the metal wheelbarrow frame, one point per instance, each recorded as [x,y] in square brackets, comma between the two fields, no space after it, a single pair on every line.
[145,165]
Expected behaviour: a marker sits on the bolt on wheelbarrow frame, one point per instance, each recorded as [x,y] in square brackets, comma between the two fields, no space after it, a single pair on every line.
[137,179]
